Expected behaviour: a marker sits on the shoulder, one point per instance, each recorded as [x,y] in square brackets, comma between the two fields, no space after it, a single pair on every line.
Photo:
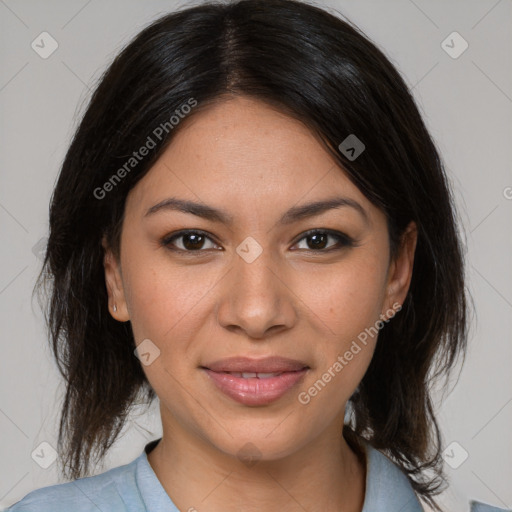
[111,490]
[387,486]
[478,506]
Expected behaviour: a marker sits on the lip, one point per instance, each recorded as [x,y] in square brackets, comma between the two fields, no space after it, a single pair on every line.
[264,365]
[256,391]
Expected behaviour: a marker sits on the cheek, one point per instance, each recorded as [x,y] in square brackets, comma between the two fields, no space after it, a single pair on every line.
[346,301]
[165,304]
[347,297]
[160,296]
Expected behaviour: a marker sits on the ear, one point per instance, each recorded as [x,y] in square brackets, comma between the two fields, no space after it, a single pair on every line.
[114,283]
[400,269]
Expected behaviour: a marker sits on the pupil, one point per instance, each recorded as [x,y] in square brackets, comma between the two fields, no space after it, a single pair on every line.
[196,243]
[315,243]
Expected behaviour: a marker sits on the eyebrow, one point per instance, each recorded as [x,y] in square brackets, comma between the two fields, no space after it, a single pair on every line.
[294,214]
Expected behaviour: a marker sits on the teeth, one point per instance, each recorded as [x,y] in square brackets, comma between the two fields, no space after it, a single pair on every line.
[251,375]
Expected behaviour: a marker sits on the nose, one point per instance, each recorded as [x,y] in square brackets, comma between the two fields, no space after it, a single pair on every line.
[255,298]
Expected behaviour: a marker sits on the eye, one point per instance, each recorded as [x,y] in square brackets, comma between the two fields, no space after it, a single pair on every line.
[189,241]
[318,240]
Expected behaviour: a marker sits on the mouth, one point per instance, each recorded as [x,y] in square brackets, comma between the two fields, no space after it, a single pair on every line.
[255,382]
[252,375]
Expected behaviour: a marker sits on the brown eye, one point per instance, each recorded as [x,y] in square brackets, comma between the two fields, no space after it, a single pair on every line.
[318,240]
[188,241]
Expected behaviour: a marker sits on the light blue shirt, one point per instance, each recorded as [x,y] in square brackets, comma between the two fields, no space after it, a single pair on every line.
[135,487]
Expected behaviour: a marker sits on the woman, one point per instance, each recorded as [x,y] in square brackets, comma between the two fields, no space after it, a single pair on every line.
[253,224]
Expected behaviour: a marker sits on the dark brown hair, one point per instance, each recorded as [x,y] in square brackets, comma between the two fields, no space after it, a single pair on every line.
[325,72]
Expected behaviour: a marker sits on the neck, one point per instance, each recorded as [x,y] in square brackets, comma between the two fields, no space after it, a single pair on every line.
[327,474]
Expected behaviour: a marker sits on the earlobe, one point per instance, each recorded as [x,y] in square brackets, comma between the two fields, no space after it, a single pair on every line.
[401,268]
[114,285]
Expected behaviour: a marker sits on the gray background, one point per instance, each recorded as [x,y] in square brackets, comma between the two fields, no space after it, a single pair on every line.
[467,104]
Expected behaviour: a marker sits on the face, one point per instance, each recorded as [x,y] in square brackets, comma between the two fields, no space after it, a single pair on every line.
[250,272]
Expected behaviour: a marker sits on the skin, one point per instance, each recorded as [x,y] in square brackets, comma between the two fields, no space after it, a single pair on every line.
[255,163]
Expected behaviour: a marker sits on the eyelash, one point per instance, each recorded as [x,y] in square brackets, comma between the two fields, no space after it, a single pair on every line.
[343,240]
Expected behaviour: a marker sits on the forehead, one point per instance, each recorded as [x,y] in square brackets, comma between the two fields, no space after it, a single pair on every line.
[245,153]
[249,138]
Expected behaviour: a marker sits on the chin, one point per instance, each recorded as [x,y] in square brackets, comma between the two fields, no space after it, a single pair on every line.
[268,441]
